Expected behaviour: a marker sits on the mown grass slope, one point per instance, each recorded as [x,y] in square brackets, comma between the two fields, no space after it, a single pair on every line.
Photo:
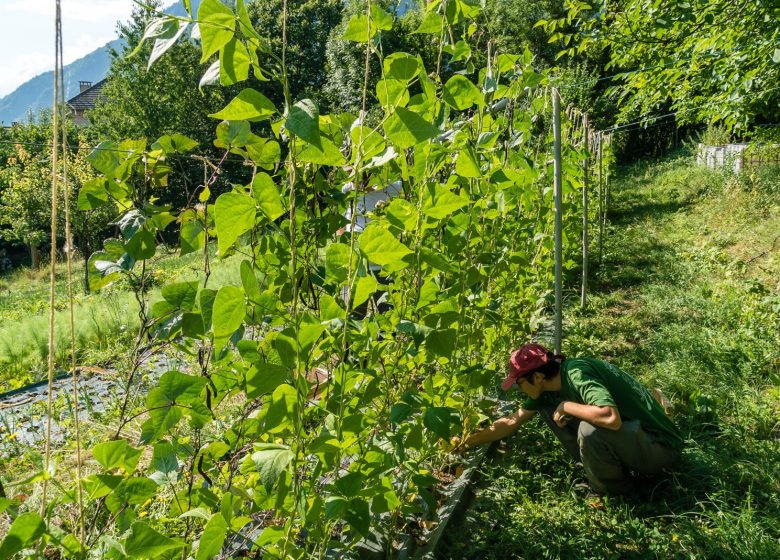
[687,299]
[106,322]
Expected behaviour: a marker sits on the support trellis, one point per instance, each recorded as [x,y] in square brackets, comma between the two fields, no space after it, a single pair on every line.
[575,118]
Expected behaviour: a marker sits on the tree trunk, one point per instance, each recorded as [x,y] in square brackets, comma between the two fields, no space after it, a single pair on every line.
[35,257]
[84,249]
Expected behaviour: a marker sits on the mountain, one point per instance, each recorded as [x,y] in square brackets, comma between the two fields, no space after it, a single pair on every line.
[37,93]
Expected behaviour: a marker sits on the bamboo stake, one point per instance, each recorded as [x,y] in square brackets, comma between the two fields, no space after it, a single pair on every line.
[585,164]
[599,140]
[558,219]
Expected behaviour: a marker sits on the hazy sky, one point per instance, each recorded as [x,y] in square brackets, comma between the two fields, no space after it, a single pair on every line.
[27,34]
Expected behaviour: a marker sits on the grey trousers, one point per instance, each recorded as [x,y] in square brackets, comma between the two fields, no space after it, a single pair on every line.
[609,456]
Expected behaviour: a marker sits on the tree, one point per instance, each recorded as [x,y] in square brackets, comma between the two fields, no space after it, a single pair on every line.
[146,103]
[343,89]
[25,206]
[25,189]
[141,102]
[309,25]
[708,60]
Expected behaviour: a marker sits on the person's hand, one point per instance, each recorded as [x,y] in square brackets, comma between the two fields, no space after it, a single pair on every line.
[560,417]
[458,444]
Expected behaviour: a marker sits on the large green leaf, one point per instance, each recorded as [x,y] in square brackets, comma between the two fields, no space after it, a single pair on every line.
[433,22]
[267,195]
[380,19]
[141,245]
[406,129]
[439,201]
[381,246]
[144,543]
[401,66]
[163,44]
[265,153]
[281,410]
[337,262]
[392,93]
[175,144]
[441,420]
[181,294]
[106,266]
[229,311]
[174,388]
[402,214]
[467,163]
[24,531]
[217,26]
[323,153]
[249,282]
[231,134]
[304,121]
[365,288]
[233,63]
[93,194]
[263,378]
[165,464]
[105,158]
[249,105]
[271,460]
[234,215]
[192,237]
[441,342]
[117,454]
[460,93]
[358,516]
[213,538]
[358,29]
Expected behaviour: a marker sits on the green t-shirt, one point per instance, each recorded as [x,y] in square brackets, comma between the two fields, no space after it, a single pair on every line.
[598,383]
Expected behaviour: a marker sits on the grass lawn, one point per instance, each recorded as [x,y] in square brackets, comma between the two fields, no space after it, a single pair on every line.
[688,300]
[106,322]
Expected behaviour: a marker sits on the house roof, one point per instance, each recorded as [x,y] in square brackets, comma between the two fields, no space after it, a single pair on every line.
[87,98]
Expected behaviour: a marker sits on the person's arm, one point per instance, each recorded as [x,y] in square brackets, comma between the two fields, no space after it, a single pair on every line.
[501,428]
[601,416]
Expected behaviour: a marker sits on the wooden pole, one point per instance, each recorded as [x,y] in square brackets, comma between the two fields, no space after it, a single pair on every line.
[585,164]
[599,139]
[607,199]
[558,220]
[606,187]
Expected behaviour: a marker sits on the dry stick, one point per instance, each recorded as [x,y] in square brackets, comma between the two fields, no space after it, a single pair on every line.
[69,257]
[556,103]
[585,164]
[53,252]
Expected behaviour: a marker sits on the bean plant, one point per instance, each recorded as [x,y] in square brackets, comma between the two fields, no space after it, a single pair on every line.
[326,381]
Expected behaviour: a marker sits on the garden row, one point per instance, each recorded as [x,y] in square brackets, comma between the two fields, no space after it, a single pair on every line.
[325,383]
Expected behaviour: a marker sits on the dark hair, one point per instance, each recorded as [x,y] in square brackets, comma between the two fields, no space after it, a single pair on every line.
[550,369]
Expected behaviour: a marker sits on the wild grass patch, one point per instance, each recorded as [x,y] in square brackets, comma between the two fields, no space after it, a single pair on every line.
[673,306]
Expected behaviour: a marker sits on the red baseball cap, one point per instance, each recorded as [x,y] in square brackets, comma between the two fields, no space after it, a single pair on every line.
[524,360]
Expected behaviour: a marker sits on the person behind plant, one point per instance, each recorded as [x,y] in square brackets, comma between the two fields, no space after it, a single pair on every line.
[603,417]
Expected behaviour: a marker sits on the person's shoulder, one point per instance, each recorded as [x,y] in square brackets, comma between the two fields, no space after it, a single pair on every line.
[579,365]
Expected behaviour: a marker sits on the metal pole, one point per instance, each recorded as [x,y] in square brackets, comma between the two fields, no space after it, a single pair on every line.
[599,139]
[585,164]
[558,219]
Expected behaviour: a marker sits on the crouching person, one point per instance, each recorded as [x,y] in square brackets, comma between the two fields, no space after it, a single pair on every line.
[603,417]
